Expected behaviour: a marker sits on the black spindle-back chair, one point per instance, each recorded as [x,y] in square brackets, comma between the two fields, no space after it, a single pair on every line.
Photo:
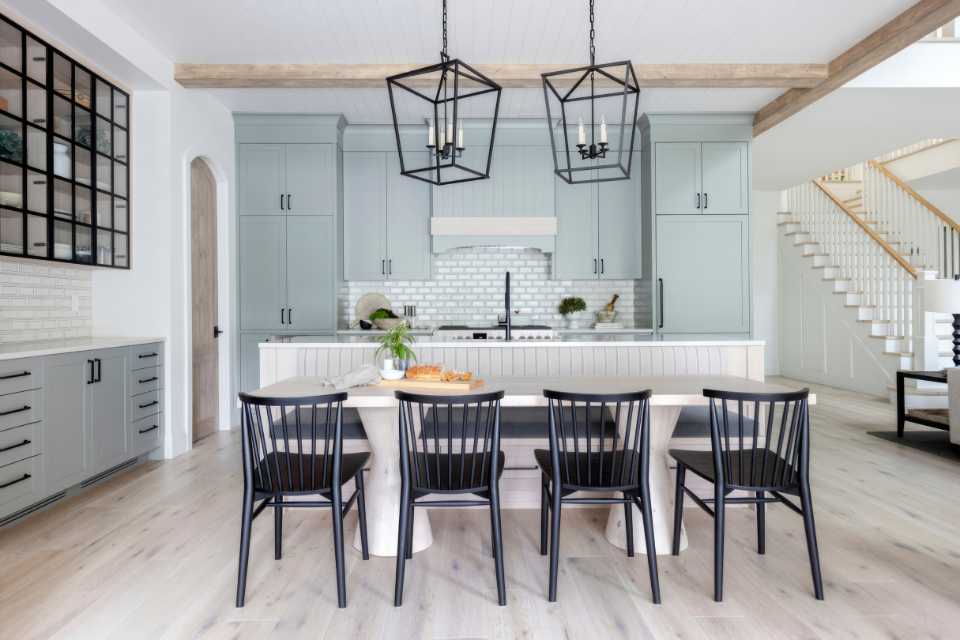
[598,443]
[294,447]
[449,445]
[760,444]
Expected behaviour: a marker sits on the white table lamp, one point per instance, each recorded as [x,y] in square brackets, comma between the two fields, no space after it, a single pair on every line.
[943,296]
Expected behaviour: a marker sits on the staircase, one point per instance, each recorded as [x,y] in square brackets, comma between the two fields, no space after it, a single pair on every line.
[871,237]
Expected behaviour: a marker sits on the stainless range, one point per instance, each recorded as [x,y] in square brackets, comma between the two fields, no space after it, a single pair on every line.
[518,332]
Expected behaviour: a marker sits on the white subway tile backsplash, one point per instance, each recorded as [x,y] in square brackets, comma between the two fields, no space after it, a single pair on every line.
[36,301]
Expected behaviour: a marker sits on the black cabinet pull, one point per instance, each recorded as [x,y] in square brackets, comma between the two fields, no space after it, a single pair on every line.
[99,369]
[146,380]
[660,283]
[390,266]
[602,268]
[90,377]
[26,476]
[698,201]
[15,446]
[25,407]
[148,355]
[706,200]
[594,265]
[383,267]
[281,202]
[15,375]
[289,207]
[148,404]
[289,315]
[153,428]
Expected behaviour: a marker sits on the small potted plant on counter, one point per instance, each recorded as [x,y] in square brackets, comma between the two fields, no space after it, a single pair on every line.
[572,310]
[396,344]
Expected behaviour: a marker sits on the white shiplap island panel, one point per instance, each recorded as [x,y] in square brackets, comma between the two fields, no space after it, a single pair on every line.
[330,357]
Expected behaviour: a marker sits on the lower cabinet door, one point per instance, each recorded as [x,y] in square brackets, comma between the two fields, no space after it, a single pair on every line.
[65,408]
[106,415]
[145,434]
[703,274]
[21,484]
[250,360]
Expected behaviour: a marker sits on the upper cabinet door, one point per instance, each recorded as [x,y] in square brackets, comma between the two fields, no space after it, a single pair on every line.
[726,178]
[262,187]
[311,265]
[677,178]
[365,215]
[576,256]
[408,223]
[263,296]
[619,226]
[311,184]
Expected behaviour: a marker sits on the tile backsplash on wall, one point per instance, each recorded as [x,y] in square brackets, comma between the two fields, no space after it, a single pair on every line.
[467,287]
[40,301]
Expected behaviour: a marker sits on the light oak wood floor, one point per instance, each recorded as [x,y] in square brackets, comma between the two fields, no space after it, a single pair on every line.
[151,553]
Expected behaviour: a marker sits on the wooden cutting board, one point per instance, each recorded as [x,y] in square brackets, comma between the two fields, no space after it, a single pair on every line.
[413,385]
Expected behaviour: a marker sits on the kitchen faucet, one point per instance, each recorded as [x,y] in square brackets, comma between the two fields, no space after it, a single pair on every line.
[506,303]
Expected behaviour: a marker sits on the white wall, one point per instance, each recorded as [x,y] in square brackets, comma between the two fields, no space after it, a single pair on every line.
[764,276]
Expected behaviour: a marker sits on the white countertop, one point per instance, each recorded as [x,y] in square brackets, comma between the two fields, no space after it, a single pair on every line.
[597,340]
[13,350]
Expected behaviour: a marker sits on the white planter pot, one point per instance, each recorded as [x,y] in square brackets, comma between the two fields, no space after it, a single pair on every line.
[576,320]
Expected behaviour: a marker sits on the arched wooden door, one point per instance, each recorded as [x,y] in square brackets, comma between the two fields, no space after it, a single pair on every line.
[203,260]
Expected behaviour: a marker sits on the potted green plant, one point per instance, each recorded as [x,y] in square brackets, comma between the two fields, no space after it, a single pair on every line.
[396,344]
[572,309]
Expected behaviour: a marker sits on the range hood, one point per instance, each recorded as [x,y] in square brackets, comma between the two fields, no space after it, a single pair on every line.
[534,232]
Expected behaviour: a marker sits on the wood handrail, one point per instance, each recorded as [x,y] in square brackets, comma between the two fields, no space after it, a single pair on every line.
[870,232]
[920,150]
[929,206]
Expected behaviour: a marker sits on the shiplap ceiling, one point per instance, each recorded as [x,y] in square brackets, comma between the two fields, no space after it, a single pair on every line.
[500,31]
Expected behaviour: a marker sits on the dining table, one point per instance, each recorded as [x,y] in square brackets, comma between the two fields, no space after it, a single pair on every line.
[378,410]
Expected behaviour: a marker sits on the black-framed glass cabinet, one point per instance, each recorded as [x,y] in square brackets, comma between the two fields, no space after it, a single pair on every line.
[64,156]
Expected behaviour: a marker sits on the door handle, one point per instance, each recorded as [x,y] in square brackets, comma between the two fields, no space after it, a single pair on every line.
[15,375]
[217,331]
[281,202]
[90,376]
[15,446]
[698,201]
[289,207]
[25,476]
[594,265]
[383,267]
[706,200]
[99,369]
[153,428]
[390,266]
[148,404]
[282,320]
[289,315]
[146,380]
[660,305]
[602,268]
[25,407]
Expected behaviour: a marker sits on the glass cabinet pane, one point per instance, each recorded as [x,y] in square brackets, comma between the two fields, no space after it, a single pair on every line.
[36,60]
[120,179]
[11,231]
[84,205]
[62,240]
[119,214]
[104,93]
[83,88]
[104,247]
[62,199]
[62,161]
[37,192]
[119,108]
[62,117]
[104,210]
[120,257]
[84,127]
[83,172]
[104,173]
[10,45]
[11,185]
[11,92]
[36,236]
[36,105]
[11,139]
[62,76]
[103,136]
[120,144]
[37,148]
[84,247]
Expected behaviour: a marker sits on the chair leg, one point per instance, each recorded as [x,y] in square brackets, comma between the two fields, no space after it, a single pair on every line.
[806,504]
[337,513]
[718,511]
[650,542]
[554,542]
[246,522]
[362,516]
[413,514]
[628,521]
[761,524]
[678,509]
[543,519]
[497,535]
[277,532]
[401,547]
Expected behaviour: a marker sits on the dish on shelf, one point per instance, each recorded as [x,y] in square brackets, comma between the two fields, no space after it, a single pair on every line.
[368,303]
[11,199]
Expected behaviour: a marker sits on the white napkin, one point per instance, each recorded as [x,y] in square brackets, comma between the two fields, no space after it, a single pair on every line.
[367,374]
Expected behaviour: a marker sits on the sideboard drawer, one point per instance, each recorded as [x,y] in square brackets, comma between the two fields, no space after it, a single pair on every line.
[19,483]
[19,443]
[21,408]
[146,355]
[20,375]
[145,404]
[143,380]
[145,434]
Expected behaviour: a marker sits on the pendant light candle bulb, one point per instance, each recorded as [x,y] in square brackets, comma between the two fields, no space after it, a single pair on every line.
[581,134]
[460,137]
[449,137]
[430,136]
[603,130]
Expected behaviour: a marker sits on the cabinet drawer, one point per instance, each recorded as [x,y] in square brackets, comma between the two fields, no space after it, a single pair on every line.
[145,434]
[143,380]
[20,375]
[19,483]
[146,355]
[145,404]
[20,408]
[19,443]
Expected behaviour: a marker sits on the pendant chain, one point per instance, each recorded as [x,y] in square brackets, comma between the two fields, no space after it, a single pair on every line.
[593,35]
[445,27]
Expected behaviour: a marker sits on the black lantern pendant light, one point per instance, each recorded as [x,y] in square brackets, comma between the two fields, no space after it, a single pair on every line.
[445,94]
[602,151]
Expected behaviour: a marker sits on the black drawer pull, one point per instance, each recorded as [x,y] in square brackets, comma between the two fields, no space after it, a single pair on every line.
[148,355]
[15,446]
[153,428]
[149,404]
[146,380]
[25,407]
[15,375]
[26,476]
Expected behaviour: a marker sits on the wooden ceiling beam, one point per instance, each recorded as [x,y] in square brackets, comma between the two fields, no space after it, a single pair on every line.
[908,27]
[296,76]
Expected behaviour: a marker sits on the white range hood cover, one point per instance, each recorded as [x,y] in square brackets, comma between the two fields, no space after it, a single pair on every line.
[535,232]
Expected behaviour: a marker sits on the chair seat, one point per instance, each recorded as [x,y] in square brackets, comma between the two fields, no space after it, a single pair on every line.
[441,473]
[305,473]
[763,470]
[596,471]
